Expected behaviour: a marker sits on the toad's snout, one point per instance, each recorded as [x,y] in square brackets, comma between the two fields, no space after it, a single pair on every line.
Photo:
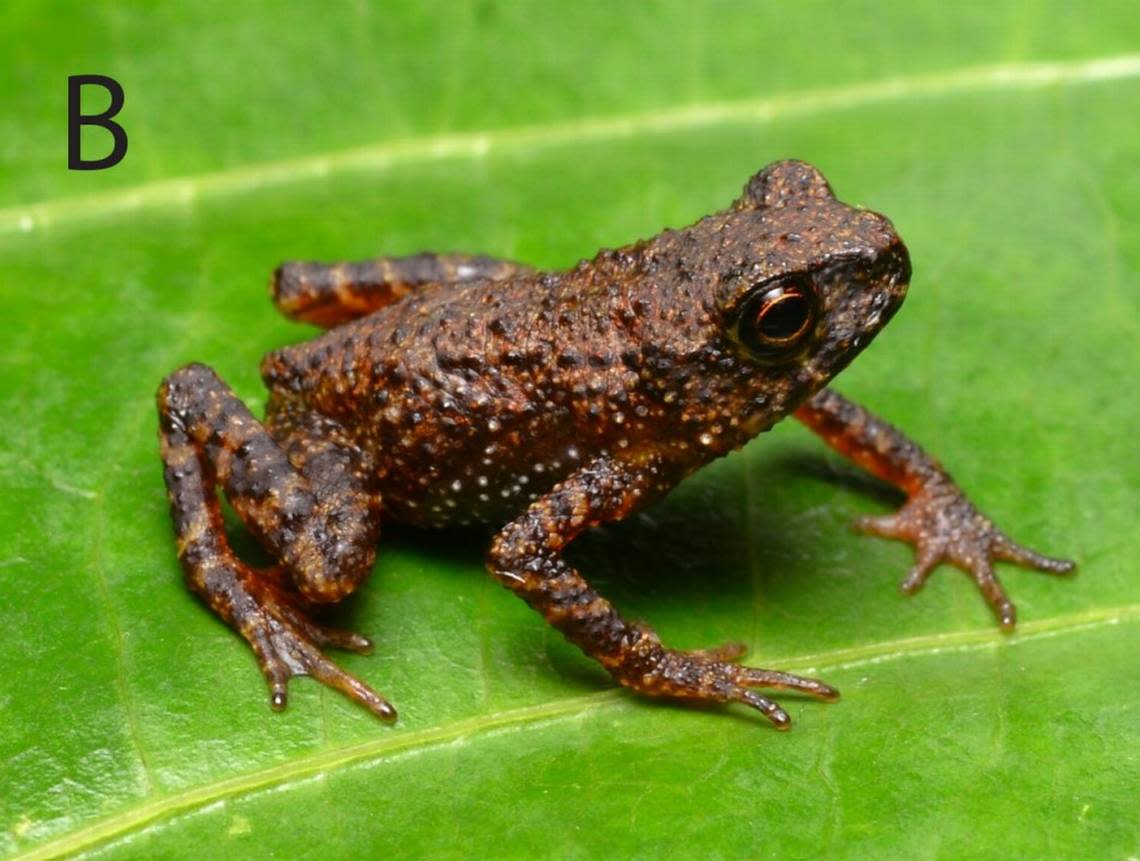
[891,261]
[895,266]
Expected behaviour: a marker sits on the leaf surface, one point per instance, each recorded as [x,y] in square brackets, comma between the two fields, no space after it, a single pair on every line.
[1002,141]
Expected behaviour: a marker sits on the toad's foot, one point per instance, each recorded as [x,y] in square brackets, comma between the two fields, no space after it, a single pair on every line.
[709,675]
[287,644]
[303,490]
[943,525]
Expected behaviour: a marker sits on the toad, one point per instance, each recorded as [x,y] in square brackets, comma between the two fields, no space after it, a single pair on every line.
[455,389]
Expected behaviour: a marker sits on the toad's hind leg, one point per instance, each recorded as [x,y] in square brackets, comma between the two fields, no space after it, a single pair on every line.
[306,501]
[330,294]
[526,556]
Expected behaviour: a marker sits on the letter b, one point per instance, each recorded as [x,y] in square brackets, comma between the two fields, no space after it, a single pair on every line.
[76,119]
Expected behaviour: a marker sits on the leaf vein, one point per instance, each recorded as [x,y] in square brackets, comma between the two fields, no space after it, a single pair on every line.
[381,157]
[462,731]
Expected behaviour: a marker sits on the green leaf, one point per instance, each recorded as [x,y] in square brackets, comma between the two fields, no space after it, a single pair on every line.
[1000,138]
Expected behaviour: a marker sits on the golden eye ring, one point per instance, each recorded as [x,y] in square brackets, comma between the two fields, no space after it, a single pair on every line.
[778,318]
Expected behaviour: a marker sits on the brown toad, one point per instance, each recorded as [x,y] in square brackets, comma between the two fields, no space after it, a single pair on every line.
[456,389]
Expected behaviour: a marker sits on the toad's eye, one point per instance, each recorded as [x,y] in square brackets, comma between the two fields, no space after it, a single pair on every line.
[778,318]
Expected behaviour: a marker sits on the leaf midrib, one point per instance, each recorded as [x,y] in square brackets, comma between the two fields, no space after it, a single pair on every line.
[379,157]
[464,730]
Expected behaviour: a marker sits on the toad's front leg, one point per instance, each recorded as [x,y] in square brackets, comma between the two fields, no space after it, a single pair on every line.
[937,517]
[306,501]
[527,557]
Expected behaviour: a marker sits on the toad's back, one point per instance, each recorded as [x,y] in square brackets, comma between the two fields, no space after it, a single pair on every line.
[475,399]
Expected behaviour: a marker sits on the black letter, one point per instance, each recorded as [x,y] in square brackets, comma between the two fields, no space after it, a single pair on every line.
[75,119]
